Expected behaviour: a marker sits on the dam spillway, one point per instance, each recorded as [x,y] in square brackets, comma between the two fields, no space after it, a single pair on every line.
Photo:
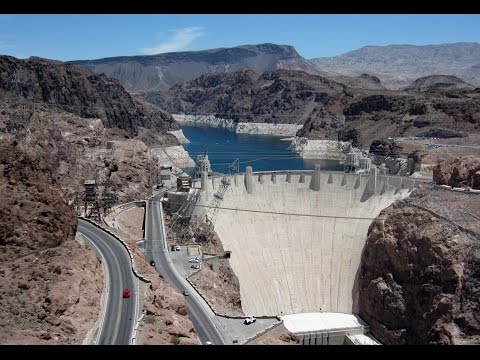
[296,238]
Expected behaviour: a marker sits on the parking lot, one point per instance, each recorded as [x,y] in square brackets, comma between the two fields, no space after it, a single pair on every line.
[181,258]
[235,330]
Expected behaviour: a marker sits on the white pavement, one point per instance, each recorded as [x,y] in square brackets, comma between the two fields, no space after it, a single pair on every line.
[321,322]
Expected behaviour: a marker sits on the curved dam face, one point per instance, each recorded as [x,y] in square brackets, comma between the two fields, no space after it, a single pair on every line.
[296,240]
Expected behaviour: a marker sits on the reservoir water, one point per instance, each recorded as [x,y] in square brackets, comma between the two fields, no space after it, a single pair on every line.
[262,152]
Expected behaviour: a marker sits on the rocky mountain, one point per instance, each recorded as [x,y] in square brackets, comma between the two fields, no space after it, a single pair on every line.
[419,280]
[398,66]
[159,72]
[438,83]
[394,114]
[363,81]
[60,125]
[327,109]
[49,283]
[279,97]
[67,115]
[66,87]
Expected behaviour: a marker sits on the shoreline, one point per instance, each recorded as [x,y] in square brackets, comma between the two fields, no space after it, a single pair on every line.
[173,155]
[306,148]
[286,130]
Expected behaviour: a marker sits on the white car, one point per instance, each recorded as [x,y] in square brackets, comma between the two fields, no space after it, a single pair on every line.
[177,248]
[249,320]
[193,260]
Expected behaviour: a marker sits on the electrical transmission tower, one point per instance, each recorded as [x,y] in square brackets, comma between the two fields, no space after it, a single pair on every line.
[233,168]
[185,211]
[226,181]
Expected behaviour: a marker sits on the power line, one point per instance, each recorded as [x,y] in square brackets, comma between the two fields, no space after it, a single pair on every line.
[259,159]
[306,215]
[247,114]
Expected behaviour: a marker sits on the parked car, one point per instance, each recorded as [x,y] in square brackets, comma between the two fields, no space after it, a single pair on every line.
[193,260]
[249,320]
[195,266]
[152,262]
[185,293]
[126,293]
[208,343]
[177,248]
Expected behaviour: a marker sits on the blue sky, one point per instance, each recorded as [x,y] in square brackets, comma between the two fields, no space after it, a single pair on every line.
[72,37]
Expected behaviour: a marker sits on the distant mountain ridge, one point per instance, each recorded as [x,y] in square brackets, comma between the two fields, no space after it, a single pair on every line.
[363,81]
[398,66]
[438,83]
[159,72]
[362,111]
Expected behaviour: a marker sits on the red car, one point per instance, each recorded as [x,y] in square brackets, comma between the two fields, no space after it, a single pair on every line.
[126,293]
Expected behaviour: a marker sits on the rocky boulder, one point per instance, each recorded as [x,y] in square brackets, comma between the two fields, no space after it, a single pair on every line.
[460,172]
[419,280]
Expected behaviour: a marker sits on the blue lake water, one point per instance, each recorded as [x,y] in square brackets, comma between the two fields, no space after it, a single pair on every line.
[262,152]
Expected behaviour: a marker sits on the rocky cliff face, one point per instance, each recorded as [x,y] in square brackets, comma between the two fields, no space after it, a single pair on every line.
[278,97]
[393,114]
[327,110]
[419,280]
[399,65]
[159,72]
[24,181]
[77,91]
[69,116]
[461,172]
[45,297]
[71,149]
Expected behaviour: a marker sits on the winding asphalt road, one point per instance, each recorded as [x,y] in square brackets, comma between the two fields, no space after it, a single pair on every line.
[156,250]
[117,325]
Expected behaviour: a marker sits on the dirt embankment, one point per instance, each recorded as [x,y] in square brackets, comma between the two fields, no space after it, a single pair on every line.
[279,335]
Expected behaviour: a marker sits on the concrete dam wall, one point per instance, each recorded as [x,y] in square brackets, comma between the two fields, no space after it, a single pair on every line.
[297,239]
